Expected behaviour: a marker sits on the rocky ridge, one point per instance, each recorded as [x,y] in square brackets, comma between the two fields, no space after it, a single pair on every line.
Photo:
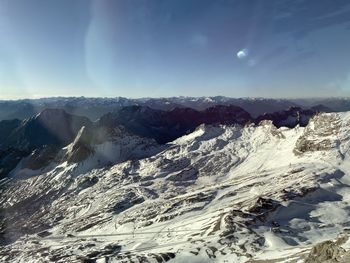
[221,193]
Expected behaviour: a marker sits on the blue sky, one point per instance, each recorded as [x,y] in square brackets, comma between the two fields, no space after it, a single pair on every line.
[153,48]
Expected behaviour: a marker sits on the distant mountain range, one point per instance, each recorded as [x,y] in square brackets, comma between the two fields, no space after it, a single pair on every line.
[94,108]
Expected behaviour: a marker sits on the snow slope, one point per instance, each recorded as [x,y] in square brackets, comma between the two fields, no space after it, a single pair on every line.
[219,194]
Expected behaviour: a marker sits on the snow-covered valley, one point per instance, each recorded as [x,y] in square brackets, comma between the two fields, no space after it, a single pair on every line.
[219,194]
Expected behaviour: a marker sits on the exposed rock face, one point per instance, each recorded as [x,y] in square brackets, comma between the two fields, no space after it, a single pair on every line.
[81,148]
[326,252]
[320,134]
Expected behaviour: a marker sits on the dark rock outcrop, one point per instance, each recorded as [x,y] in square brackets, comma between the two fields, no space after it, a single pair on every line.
[289,118]
[165,126]
[6,128]
[50,127]
[41,157]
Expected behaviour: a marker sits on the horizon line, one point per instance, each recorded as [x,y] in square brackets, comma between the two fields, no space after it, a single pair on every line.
[170,97]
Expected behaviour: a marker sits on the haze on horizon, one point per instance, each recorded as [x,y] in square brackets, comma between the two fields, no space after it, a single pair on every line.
[255,48]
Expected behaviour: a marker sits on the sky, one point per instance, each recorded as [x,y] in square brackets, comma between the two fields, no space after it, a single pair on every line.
[163,48]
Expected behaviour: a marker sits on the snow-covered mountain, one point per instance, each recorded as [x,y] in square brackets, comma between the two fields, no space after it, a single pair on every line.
[223,193]
[45,133]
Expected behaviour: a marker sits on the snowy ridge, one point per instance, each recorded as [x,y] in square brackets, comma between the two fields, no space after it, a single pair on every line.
[219,194]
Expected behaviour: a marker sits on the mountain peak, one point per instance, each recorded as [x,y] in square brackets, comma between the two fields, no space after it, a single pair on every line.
[81,147]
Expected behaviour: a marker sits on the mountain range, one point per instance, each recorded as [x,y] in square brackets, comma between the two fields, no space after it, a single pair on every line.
[42,135]
[141,184]
[94,108]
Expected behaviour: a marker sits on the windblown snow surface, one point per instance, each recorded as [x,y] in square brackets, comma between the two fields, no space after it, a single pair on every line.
[220,194]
